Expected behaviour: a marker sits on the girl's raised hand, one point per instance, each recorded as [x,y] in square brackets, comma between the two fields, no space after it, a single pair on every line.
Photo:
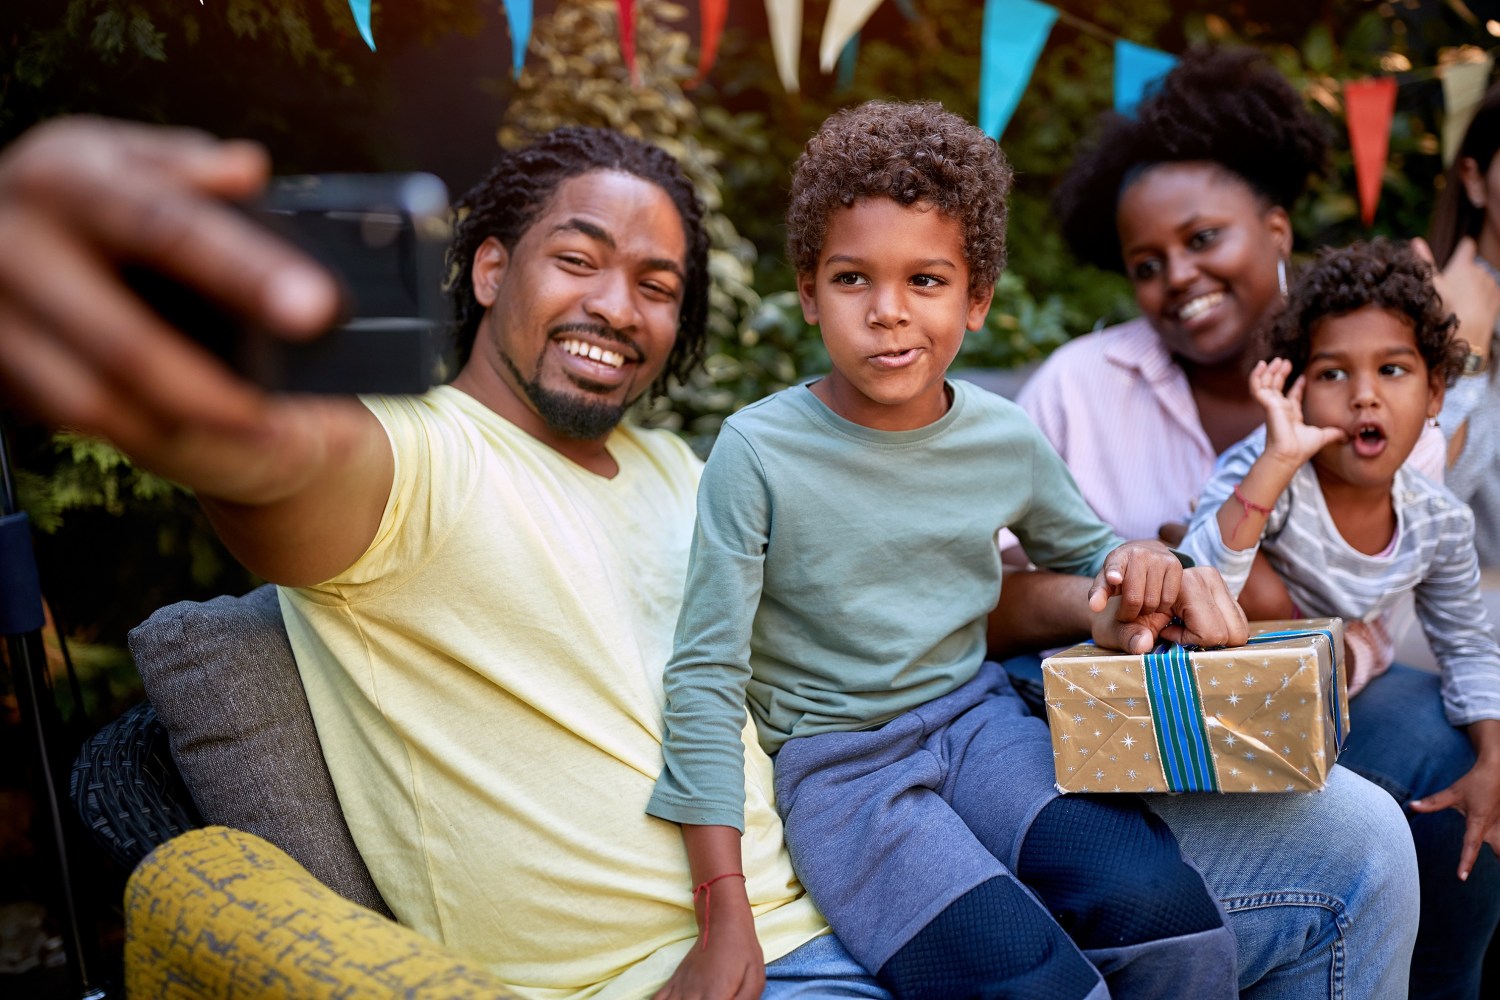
[1288,438]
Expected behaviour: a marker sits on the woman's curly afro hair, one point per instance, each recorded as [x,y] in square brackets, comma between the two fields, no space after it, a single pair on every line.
[909,153]
[1224,106]
[1381,273]
[508,201]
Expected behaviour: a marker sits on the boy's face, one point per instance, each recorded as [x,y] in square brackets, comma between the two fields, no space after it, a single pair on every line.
[1365,374]
[891,296]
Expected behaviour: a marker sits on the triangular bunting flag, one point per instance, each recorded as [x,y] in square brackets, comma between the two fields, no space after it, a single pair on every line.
[1136,68]
[627,37]
[1014,33]
[848,62]
[1369,106]
[1464,85]
[845,18]
[361,11]
[711,14]
[518,16]
[785,20]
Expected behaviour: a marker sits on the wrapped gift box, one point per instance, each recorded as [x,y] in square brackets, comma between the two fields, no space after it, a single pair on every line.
[1269,716]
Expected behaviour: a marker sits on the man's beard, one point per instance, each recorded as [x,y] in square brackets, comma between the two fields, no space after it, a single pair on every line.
[567,413]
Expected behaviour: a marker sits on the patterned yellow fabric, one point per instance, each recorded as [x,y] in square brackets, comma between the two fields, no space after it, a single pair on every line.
[221,913]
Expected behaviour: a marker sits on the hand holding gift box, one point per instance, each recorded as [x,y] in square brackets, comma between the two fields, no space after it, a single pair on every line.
[1269,716]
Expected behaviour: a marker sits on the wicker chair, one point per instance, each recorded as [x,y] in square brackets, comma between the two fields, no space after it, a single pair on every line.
[275,898]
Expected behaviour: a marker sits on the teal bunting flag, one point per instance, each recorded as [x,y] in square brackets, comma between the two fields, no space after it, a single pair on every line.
[848,60]
[1014,33]
[518,16]
[361,11]
[1136,69]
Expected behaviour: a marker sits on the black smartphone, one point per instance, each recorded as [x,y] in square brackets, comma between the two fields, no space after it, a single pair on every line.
[384,237]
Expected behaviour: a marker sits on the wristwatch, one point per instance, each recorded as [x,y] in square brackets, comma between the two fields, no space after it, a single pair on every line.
[1475,364]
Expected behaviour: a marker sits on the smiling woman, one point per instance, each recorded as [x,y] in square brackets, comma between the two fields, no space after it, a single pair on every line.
[1190,199]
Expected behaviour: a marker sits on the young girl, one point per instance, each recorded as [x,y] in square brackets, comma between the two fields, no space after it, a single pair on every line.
[1321,490]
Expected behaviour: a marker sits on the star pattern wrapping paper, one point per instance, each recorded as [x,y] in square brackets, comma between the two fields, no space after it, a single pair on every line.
[1270,716]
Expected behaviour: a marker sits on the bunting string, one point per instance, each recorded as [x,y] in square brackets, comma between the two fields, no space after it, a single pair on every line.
[1012,39]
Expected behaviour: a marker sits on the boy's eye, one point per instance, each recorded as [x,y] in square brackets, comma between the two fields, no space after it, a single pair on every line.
[926,280]
[1202,238]
[1393,370]
[849,278]
[1331,375]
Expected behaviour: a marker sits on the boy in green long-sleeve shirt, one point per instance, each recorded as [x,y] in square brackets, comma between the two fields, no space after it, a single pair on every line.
[843,567]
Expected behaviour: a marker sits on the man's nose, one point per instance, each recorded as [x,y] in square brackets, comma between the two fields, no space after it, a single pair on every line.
[612,300]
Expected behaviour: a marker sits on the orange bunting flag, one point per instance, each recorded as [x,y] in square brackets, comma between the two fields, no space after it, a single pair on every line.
[711,14]
[627,39]
[1369,106]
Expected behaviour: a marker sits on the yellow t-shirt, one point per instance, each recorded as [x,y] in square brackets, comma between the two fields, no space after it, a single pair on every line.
[486,683]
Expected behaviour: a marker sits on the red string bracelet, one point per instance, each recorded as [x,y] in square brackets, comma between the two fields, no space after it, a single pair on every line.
[708,898]
[1246,505]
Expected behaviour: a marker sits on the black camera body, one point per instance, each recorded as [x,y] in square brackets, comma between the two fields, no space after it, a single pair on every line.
[384,238]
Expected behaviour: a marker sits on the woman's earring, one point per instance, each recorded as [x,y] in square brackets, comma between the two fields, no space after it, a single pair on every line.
[1433,421]
[1281,275]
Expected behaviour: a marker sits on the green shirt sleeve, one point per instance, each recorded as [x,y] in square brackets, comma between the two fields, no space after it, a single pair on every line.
[1059,530]
[703,775]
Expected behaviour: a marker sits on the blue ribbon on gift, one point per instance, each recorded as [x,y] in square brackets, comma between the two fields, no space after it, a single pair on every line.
[1177,710]
[1177,713]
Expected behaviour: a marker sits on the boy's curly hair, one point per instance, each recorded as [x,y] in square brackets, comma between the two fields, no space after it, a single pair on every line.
[909,153]
[523,181]
[1229,107]
[1382,273]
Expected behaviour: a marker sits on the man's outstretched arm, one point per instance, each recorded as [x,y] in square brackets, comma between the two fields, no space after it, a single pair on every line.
[294,486]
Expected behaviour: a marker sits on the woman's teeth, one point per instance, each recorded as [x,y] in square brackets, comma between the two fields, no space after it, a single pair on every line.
[1194,308]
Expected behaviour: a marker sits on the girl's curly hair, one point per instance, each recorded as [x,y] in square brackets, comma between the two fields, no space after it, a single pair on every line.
[508,201]
[1382,273]
[909,153]
[1228,107]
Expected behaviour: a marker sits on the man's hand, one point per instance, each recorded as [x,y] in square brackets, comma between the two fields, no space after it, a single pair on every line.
[1145,577]
[1204,614]
[726,962]
[79,198]
[1476,795]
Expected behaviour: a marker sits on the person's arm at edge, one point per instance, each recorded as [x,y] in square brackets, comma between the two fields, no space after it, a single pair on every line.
[295,487]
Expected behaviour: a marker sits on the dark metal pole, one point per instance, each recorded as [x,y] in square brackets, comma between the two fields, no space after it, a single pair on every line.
[21,621]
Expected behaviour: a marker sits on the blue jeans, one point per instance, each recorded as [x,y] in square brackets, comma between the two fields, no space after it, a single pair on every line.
[1320,887]
[820,968]
[1400,739]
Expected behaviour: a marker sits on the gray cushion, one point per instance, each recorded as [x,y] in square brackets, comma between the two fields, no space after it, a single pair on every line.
[224,683]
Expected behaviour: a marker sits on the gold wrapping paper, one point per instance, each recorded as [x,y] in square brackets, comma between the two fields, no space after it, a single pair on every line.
[1264,717]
